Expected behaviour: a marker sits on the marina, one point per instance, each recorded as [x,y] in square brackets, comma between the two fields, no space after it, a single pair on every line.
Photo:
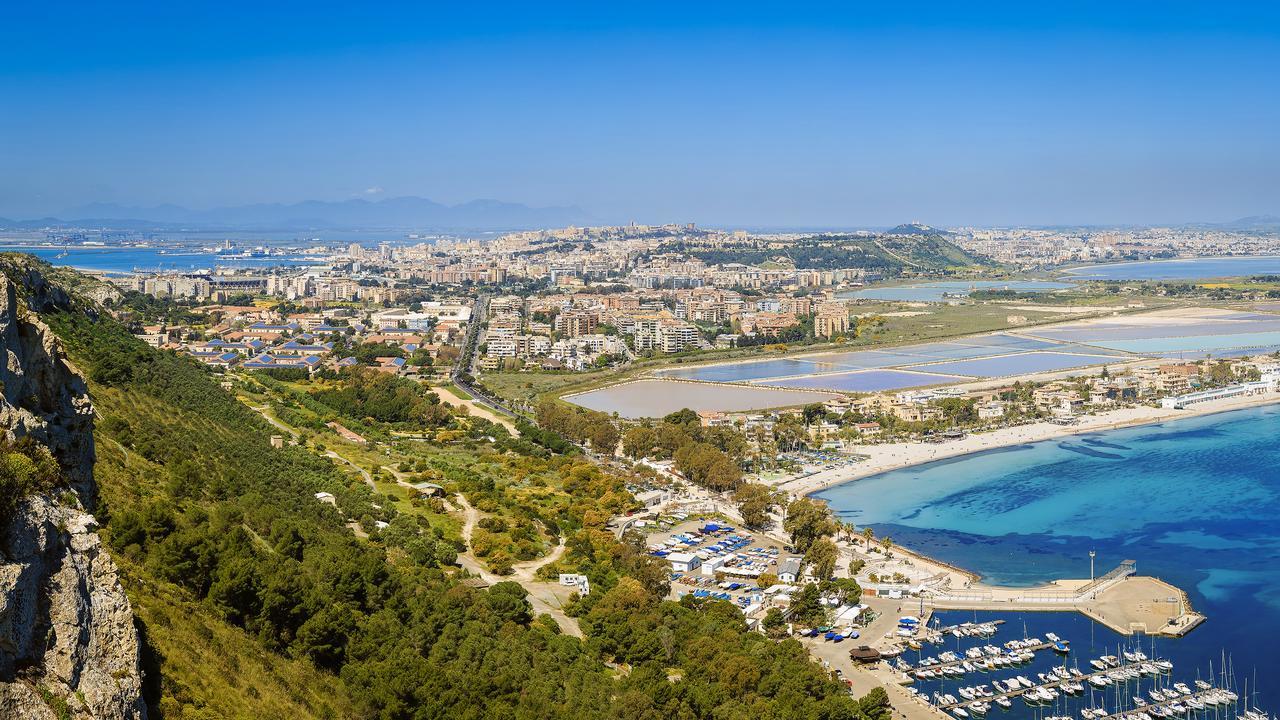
[1045,677]
[1196,513]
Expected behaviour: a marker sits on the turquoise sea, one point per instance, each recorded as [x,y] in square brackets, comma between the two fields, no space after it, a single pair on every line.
[1195,502]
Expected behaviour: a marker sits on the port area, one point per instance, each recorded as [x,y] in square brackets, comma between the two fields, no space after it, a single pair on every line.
[1124,602]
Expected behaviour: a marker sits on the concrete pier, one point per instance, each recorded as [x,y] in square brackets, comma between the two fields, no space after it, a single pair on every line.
[1128,605]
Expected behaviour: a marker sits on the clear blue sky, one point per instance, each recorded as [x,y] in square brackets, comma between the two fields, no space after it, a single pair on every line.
[720,113]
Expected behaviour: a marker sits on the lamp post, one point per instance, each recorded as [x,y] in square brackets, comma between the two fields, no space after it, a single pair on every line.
[1092,555]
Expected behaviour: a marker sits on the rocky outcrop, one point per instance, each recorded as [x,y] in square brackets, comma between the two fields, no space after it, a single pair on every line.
[68,645]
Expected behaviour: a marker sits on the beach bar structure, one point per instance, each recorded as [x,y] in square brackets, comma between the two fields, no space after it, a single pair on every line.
[1179,402]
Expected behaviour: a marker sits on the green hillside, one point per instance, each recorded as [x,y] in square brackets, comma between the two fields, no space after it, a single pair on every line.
[258,601]
[888,253]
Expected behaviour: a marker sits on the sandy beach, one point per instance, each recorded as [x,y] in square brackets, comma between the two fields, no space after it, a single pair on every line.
[892,456]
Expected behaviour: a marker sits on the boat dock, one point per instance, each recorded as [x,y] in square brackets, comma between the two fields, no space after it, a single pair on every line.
[977,660]
[1055,684]
[951,629]
[1135,713]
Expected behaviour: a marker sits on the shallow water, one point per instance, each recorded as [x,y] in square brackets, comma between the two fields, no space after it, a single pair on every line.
[655,398]
[1194,501]
[128,259]
[1188,269]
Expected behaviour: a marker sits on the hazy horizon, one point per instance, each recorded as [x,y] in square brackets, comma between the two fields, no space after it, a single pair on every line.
[720,114]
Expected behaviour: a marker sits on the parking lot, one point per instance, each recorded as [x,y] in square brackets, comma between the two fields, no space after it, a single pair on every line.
[727,561]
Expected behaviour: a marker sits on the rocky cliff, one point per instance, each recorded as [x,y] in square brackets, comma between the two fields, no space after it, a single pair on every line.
[68,645]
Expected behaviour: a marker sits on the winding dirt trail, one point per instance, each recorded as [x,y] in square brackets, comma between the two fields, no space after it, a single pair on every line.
[544,598]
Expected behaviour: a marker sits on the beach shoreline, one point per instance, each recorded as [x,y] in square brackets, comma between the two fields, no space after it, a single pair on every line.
[896,456]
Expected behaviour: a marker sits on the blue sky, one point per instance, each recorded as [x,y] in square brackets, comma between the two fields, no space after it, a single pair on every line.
[786,114]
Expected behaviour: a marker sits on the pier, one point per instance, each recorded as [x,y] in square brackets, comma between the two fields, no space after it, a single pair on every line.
[1082,678]
[1123,601]
[979,660]
[1135,713]
[950,629]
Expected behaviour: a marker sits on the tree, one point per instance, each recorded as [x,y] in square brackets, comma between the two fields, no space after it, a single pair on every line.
[774,624]
[603,435]
[867,536]
[959,411]
[821,558]
[814,412]
[807,607]
[639,441]
[755,501]
[684,416]
[704,465]
[847,590]
[807,520]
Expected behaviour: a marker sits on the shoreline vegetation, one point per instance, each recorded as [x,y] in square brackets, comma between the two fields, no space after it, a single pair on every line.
[896,456]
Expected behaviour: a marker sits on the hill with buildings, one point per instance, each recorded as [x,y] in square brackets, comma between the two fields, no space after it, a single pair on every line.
[890,254]
[267,582]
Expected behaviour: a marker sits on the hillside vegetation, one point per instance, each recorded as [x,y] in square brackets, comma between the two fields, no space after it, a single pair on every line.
[258,601]
[890,254]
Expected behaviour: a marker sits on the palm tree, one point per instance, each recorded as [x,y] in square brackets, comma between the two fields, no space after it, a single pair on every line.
[867,535]
[887,542]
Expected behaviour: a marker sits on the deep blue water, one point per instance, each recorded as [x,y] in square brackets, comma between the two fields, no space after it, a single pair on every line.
[1195,501]
[1189,269]
[126,259]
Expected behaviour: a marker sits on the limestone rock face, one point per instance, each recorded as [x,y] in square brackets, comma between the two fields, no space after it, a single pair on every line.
[67,637]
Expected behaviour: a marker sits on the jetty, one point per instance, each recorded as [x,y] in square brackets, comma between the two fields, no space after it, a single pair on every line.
[1121,599]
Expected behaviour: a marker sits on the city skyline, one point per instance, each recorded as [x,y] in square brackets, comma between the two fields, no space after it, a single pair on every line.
[723,115]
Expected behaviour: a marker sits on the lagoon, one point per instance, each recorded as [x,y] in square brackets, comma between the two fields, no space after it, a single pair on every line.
[1194,501]
[656,398]
[1185,269]
[127,259]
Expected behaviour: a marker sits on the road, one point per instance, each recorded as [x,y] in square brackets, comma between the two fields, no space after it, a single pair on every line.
[466,361]
[863,679]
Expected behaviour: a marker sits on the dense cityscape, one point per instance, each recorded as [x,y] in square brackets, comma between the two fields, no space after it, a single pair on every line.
[640,361]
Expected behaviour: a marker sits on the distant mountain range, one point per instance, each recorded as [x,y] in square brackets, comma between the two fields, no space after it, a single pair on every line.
[1253,222]
[402,213]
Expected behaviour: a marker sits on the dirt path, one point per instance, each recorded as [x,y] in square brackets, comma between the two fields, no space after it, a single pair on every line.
[264,411]
[363,473]
[448,397]
[544,598]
